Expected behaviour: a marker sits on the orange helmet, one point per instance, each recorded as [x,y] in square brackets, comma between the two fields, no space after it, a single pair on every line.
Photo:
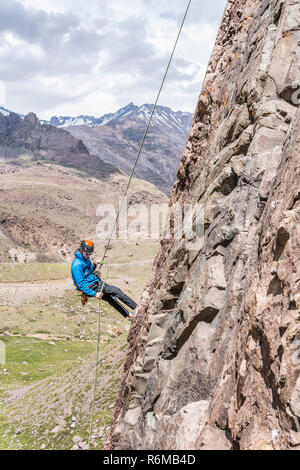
[87,246]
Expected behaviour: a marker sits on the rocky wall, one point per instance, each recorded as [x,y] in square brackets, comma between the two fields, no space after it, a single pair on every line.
[214,350]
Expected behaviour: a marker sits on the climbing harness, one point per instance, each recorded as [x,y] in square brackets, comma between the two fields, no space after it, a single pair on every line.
[121,205]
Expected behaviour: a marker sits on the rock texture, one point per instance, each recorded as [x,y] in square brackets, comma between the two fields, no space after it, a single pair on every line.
[214,349]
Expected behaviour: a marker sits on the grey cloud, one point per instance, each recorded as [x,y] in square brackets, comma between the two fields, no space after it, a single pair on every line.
[35,99]
[23,65]
[73,43]
[83,41]
[201,11]
[56,33]
[129,42]
[149,82]
[34,26]
[207,11]
[67,46]
[18,67]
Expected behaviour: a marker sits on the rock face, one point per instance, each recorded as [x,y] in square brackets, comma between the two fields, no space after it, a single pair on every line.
[214,349]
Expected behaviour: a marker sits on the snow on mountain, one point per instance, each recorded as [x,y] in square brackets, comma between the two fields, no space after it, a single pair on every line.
[117,142]
[67,121]
[163,116]
[6,112]
[91,121]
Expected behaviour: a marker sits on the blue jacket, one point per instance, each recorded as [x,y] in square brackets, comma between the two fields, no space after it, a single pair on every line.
[82,274]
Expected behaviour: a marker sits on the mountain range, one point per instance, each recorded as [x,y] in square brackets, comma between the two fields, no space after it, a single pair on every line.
[6,112]
[27,140]
[51,187]
[163,116]
[115,138]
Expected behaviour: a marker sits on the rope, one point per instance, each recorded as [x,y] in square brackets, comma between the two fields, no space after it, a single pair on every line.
[120,207]
[146,131]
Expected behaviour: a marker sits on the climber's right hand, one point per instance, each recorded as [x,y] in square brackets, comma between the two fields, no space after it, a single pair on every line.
[99,295]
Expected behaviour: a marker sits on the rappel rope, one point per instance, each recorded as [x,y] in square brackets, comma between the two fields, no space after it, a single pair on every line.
[146,131]
[97,362]
[121,205]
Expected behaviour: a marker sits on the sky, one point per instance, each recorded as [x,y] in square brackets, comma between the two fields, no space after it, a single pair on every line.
[73,57]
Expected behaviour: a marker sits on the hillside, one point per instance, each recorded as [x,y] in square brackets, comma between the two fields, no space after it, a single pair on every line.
[116,137]
[162,115]
[46,384]
[46,209]
[26,140]
[50,190]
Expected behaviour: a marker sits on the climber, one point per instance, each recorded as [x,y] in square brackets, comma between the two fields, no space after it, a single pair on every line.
[89,283]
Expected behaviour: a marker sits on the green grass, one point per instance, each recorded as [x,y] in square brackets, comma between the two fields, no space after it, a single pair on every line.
[33,272]
[61,386]
[48,382]
[120,251]
[63,317]
[29,360]
[60,318]
[139,273]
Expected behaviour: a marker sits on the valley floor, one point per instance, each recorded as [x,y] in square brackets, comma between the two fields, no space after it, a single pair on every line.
[50,343]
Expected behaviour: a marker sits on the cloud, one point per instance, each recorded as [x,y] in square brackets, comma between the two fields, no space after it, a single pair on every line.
[201,11]
[82,56]
[34,26]
[47,94]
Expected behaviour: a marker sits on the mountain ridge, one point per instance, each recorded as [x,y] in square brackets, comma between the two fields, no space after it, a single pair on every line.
[26,139]
[181,119]
[117,140]
[46,171]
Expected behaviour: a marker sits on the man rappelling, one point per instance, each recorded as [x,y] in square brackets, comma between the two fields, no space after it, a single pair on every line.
[90,284]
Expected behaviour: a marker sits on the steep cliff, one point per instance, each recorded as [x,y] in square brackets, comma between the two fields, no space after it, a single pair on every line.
[214,350]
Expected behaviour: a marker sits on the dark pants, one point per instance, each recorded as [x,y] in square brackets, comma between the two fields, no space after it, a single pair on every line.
[111,294]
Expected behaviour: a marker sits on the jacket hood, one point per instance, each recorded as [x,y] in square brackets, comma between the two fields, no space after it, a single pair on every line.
[79,255]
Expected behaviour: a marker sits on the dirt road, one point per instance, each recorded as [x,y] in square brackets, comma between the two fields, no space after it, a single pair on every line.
[16,293]
[19,292]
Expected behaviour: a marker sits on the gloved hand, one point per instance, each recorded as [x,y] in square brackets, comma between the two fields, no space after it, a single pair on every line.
[101,262]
